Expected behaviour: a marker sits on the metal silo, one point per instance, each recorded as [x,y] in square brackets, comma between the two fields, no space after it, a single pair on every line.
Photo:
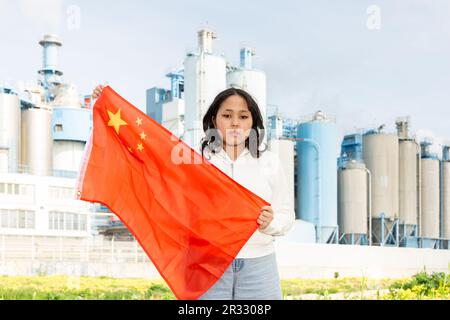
[445,193]
[381,156]
[317,176]
[353,202]
[250,80]
[9,130]
[37,143]
[409,183]
[408,151]
[429,224]
[71,126]
[204,78]
[353,193]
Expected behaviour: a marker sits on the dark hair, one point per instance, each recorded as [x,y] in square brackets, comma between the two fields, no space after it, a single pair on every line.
[212,139]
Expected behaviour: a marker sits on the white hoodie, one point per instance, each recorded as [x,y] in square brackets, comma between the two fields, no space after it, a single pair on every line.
[265,177]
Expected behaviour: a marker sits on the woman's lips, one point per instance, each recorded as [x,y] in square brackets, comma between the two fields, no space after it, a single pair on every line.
[234,133]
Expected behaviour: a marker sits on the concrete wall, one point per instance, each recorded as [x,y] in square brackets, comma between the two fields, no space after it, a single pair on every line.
[322,261]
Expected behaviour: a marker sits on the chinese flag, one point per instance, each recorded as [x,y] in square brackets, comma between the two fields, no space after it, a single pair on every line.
[190,218]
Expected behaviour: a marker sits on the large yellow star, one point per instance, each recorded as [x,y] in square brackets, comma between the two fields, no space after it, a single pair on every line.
[116,121]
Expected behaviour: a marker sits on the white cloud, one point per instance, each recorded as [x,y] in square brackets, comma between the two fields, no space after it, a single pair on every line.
[45,13]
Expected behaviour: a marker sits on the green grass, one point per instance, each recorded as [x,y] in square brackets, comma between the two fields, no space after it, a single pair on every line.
[296,288]
[82,288]
[421,286]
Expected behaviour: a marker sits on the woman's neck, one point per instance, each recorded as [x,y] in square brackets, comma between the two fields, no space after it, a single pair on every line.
[234,151]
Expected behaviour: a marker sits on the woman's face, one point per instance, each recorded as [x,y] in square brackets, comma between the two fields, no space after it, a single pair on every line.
[234,121]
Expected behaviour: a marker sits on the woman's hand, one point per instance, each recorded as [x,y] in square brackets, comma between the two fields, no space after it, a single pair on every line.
[97,92]
[266,217]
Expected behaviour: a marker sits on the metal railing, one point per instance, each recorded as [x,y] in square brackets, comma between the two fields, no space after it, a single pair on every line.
[60,249]
[25,169]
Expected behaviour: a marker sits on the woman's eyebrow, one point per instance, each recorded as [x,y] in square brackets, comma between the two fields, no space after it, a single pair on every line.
[231,110]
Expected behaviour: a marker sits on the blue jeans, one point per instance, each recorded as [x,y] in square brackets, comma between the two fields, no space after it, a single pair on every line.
[248,279]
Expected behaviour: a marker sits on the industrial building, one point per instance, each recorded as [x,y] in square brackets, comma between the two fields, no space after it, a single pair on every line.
[43,132]
[381,189]
[391,190]
[374,192]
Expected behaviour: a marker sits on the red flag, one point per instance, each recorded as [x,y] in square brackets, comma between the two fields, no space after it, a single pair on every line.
[190,218]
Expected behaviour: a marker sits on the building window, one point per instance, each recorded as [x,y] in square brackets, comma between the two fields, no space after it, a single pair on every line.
[67,221]
[4,219]
[61,193]
[58,127]
[83,222]
[17,219]
[22,219]
[60,220]
[76,222]
[13,219]
[9,188]
[15,189]
[30,221]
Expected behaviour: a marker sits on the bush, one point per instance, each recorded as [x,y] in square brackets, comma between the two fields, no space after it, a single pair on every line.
[422,286]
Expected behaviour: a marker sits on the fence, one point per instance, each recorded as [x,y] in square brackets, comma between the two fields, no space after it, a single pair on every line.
[27,256]
[63,249]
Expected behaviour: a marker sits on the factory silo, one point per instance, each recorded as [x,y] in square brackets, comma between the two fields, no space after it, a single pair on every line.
[381,156]
[430,205]
[317,176]
[409,180]
[284,148]
[36,143]
[251,80]
[445,193]
[71,126]
[9,130]
[353,193]
[204,78]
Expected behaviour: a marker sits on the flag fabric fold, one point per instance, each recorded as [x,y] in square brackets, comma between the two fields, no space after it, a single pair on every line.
[189,217]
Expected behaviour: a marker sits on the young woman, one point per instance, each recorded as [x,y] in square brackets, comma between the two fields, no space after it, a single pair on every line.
[234,132]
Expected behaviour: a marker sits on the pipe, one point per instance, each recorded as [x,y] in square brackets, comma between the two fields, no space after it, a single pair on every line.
[201,96]
[441,199]
[369,198]
[419,189]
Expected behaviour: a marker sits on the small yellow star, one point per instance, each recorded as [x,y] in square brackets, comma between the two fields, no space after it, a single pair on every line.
[139,121]
[143,135]
[140,147]
[129,149]
[115,120]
